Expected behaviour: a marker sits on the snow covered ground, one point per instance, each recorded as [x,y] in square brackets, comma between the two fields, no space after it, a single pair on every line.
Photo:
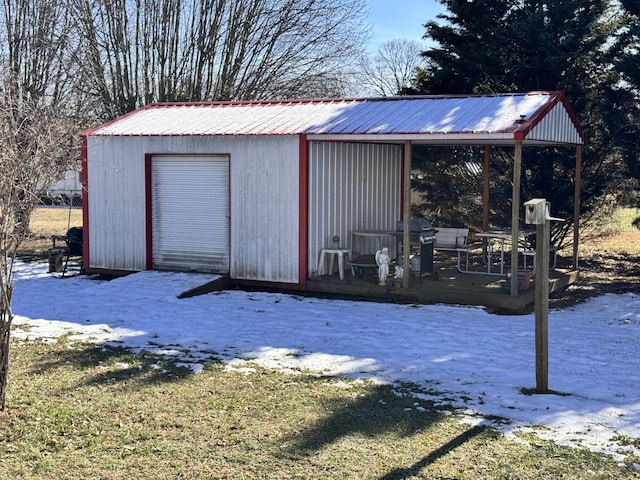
[480,360]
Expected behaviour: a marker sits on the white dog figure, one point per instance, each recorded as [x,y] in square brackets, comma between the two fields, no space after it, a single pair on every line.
[399,273]
[382,259]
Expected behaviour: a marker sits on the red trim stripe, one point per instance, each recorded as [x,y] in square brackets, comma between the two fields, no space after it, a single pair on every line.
[303,212]
[84,179]
[148,209]
[537,117]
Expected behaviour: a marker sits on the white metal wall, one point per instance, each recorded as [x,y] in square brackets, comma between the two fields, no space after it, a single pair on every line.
[556,126]
[352,186]
[265,221]
[116,200]
[264,192]
[190,225]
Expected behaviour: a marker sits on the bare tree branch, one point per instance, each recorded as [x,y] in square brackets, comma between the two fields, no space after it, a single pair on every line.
[139,51]
[392,67]
[38,138]
[36,143]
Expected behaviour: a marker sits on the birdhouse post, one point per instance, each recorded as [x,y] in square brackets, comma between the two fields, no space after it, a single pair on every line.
[537,213]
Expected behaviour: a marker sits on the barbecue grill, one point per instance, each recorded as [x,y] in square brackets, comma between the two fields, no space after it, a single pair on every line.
[427,235]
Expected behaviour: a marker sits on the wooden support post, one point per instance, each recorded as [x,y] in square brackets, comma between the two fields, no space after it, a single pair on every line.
[485,189]
[406,215]
[542,306]
[515,217]
[485,198]
[576,206]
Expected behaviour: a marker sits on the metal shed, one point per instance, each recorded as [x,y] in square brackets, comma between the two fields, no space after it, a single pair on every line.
[255,190]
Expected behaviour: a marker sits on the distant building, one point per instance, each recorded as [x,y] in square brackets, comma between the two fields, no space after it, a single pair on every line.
[66,191]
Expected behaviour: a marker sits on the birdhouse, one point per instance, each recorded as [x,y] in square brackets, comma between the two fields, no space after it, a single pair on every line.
[535,211]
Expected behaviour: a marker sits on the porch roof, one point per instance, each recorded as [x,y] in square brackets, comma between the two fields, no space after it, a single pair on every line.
[535,118]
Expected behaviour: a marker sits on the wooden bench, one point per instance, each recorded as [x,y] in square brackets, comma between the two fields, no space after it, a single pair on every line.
[453,240]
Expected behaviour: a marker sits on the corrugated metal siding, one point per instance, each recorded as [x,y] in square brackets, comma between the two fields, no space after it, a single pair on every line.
[556,126]
[352,186]
[190,213]
[425,117]
[263,201]
[265,209]
[116,200]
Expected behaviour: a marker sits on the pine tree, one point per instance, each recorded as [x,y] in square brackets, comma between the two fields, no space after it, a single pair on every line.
[490,46]
[629,92]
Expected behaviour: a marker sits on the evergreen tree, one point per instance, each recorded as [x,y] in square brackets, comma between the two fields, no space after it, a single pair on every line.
[629,90]
[489,46]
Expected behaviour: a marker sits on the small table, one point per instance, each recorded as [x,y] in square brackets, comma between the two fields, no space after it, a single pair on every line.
[332,252]
[359,236]
[501,236]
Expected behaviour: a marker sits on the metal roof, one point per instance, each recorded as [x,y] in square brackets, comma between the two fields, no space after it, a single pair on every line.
[541,118]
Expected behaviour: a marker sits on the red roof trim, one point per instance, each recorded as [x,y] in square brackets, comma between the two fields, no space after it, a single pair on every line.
[557,97]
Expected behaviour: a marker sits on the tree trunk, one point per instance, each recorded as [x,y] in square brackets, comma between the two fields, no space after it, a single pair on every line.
[5,331]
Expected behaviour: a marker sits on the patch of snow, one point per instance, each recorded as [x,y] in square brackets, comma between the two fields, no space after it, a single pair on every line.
[458,357]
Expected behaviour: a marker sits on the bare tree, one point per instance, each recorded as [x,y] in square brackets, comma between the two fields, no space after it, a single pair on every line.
[35,144]
[37,137]
[142,51]
[391,68]
[36,50]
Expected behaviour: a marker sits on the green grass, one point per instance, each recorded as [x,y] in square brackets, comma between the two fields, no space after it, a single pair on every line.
[618,220]
[80,411]
[47,221]
[622,219]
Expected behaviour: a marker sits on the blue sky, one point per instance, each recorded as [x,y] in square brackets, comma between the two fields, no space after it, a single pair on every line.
[400,19]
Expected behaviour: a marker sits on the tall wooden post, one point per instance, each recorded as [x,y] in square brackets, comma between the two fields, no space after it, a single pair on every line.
[576,206]
[406,215]
[485,189]
[542,306]
[537,211]
[515,217]
[485,198]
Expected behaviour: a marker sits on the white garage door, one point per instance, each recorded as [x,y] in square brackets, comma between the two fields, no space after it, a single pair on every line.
[190,212]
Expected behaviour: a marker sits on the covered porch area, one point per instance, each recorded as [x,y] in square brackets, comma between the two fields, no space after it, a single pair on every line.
[451,287]
[508,121]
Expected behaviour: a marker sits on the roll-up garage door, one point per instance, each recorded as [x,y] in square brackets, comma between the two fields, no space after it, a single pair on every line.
[190,213]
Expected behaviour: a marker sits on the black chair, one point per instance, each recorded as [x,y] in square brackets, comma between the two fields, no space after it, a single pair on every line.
[59,254]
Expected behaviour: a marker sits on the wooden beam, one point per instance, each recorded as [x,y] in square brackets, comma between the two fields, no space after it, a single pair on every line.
[576,205]
[485,190]
[542,306]
[406,215]
[515,217]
